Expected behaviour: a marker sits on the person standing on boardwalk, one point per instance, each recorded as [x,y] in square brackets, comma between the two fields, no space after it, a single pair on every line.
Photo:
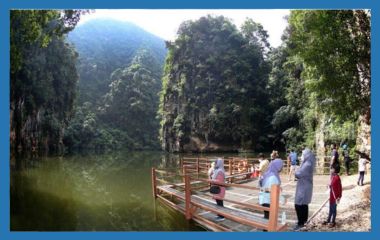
[361,168]
[263,165]
[219,177]
[292,162]
[304,189]
[270,177]
[335,194]
[210,171]
[273,155]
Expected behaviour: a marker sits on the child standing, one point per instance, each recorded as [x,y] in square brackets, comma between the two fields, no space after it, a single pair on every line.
[362,167]
[211,170]
[335,194]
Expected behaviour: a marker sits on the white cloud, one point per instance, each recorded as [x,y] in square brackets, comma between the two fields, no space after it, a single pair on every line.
[165,23]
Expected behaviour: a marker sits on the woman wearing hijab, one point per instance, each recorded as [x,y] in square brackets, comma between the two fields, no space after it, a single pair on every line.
[270,177]
[218,176]
[304,189]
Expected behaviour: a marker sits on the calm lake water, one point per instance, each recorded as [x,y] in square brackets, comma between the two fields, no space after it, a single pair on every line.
[95,192]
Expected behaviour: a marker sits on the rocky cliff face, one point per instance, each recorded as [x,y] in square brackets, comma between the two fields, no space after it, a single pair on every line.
[35,132]
[320,141]
[363,140]
[213,96]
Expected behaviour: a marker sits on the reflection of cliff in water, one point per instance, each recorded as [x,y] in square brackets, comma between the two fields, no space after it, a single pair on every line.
[169,161]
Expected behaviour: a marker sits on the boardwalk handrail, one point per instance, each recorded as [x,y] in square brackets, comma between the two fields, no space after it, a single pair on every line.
[228,184]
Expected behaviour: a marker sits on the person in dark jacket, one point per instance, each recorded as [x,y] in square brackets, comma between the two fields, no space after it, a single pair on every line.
[335,194]
[346,157]
[304,189]
[334,156]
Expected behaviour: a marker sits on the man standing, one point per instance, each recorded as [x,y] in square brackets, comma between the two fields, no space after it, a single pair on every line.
[292,162]
[346,157]
[304,189]
[334,155]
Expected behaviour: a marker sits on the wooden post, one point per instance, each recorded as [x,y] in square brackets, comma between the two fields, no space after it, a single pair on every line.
[187,197]
[183,172]
[154,184]
[198,165]
[230,169]
[274,207]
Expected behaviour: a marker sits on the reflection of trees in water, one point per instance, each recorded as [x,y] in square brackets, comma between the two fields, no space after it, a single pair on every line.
[114,188]
[169,160]
[33,209]
[171,220]
[91,191]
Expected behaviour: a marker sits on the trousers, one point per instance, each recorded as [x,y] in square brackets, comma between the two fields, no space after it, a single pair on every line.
[302,213]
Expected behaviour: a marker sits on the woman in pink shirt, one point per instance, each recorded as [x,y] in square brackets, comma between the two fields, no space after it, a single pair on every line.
[218,176]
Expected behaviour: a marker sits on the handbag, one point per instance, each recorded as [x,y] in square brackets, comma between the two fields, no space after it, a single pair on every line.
[214,189]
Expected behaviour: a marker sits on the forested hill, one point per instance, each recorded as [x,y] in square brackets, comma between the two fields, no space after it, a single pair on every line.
[105,45]
[120,67]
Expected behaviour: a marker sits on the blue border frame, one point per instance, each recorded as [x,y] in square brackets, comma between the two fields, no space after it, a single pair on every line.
[6,5]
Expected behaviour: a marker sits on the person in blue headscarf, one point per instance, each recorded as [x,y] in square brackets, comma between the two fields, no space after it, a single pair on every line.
[304,189]
[270,177]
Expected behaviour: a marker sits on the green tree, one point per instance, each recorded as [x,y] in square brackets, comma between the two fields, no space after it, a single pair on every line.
[335,47]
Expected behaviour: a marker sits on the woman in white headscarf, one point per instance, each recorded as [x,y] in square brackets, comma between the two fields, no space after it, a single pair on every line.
[304,190]
[219,177]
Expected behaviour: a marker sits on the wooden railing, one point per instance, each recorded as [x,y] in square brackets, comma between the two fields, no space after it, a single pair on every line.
[232,165]
[191,206]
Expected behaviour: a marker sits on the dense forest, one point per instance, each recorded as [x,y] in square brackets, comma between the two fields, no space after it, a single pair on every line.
[94,86]
[106,84]
[120,67]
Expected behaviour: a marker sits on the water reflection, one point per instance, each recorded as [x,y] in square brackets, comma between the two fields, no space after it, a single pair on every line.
[90,192]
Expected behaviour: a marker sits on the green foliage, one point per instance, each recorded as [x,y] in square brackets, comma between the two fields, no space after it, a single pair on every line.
[335,47]
[327,72]
[120,67]
[87,132]
[105,45]
[37,27]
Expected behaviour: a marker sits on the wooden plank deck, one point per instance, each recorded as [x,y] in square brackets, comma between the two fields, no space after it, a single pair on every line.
[205,216]
[254,220]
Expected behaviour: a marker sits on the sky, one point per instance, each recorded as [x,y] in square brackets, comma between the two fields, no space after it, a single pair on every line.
[165,23]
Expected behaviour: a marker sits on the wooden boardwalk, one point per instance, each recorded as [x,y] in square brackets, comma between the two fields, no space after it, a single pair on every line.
[238,210]
[205,215]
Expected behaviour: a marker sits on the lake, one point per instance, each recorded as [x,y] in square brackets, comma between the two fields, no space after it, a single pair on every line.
[91,192]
